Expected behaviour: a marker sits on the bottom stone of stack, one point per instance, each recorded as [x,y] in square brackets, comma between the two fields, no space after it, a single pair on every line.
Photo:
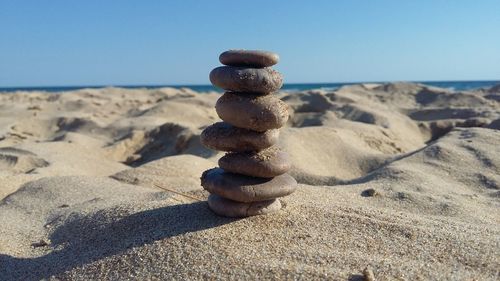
[229,208]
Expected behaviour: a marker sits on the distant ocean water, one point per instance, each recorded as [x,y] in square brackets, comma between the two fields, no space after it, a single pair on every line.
[453,85]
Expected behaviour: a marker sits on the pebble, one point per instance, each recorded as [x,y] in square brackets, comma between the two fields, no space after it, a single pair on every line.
[244,188]
[268,163]
[251,58]
[229,208]
[258,113]
[243,79]
[370,192]
[223,136]
[41,243]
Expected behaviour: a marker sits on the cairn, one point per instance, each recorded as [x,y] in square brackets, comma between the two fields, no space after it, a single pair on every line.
[252,174]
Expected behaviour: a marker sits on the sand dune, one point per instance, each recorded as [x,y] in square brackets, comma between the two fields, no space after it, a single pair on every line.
[401,178]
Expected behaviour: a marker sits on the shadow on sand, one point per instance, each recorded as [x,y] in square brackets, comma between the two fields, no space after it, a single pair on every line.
[85,239]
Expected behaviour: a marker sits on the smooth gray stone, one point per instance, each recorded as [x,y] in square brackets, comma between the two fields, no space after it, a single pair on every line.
[242,188]
[243,79]
[229,208]
[225,137]
[251,58]
[268,163]
[258,113]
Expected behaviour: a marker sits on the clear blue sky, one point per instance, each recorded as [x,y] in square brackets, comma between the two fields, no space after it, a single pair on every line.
[60,42]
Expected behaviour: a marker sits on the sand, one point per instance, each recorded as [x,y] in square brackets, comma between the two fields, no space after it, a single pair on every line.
[398,181]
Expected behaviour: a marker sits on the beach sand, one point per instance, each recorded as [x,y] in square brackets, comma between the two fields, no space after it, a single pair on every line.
[398,181]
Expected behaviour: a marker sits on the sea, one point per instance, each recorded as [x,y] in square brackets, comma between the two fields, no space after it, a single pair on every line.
[452,85]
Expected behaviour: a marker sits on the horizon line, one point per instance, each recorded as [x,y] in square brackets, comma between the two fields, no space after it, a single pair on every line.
[204,85]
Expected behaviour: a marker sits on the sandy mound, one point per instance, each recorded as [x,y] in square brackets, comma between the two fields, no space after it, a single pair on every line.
[108,113]
[58,198]
[407,187]
[30,161]
[430,206]
[88,132]
[19,161]
[138,126]
[437,179]
[348,155]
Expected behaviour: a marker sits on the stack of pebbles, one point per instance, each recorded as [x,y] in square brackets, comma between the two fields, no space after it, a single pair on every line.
[253,173]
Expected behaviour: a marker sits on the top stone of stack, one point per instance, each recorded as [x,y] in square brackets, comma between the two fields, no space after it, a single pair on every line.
[247,72]
[249,58]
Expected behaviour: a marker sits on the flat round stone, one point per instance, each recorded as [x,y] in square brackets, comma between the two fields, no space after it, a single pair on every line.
[242,188]
[251,58]
[226,137]
[267,163]
[229,208]
[243,79]
[258,113]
